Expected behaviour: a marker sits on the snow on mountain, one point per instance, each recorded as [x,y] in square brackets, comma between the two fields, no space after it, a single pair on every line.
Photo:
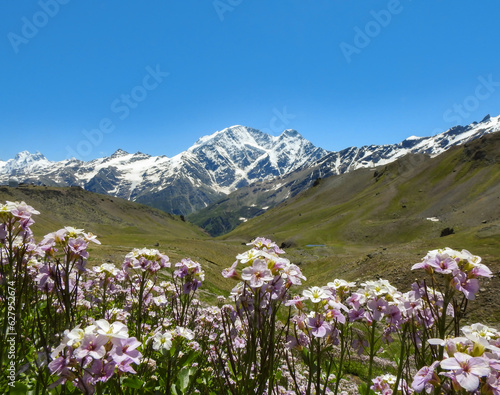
[221,163]
[214,166]
[376,155]
[25,163]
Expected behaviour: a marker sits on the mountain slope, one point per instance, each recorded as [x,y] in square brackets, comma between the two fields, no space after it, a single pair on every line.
[392,204]
[248,202]
[376,223]
[103,215]
[122,225]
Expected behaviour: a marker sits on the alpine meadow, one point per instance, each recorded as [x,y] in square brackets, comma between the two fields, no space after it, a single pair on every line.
[250,197]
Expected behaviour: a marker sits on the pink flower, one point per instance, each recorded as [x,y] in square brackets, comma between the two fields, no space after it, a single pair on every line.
[378,307]
[442,263]
[231,272]
[78,246]
[126,349]
[319,327]
[424,376]
[292,274]
[466,370]
[468,286]
[92,346]
[257,274]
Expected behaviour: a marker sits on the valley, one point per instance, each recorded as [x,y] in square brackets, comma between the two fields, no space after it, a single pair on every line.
[365,224]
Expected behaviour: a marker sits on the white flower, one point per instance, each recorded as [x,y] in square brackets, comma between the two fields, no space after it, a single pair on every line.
[73,232]
[106,267]
[315,294]
[478,330]
[184,332]
[339,283]
[162,341]
[116,330]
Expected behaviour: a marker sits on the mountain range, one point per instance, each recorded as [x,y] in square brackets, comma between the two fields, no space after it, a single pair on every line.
[214,174]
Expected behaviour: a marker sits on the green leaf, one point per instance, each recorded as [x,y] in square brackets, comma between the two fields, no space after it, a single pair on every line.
[18,388]
[133,382]
[183,378]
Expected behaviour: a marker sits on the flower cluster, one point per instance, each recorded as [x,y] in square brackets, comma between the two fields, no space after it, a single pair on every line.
[142,330]
[378,301]
[470,363]
[384,385]
[461,269]
[12,212]
[16,237]
[191,274]
[262,265]
[319,319]
[71,241]
[94,354]
[144,260]
[162,339]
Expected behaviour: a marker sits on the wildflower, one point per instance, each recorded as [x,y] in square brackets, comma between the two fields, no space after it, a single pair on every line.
[480,331]
[116,330]
[231,272]
[257,274]
[108,268]
[292,274]
[184,332]
[378,307]
[466,370]
[296,301]
[102,371]
[79,247]
[442,263]
[315,294]
[126,349]
[319,327]
[162,341]
[468,286]
[92,346]
[424,378]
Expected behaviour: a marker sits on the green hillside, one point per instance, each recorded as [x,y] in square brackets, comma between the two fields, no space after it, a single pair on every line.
[376,222]
[122,225]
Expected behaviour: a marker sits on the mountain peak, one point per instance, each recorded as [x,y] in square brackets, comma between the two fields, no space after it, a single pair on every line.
[486,118]
[119,152]
[291,133]
[23,155]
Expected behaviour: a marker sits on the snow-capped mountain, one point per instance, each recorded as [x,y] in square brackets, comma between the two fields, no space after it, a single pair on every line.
[221,163]
[213,167]
[252,201]
[24,162]
[376,155]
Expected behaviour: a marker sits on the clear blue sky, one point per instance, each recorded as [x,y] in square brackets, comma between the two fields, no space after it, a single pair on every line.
[342,73]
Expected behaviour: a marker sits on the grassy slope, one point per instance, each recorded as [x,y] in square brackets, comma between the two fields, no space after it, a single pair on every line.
[374,223]
[122,225]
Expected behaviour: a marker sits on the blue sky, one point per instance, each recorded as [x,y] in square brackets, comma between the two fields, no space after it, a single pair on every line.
[84,78]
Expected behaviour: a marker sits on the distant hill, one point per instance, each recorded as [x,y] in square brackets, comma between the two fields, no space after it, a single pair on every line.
[210,169]
[202,178]
[101,214]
